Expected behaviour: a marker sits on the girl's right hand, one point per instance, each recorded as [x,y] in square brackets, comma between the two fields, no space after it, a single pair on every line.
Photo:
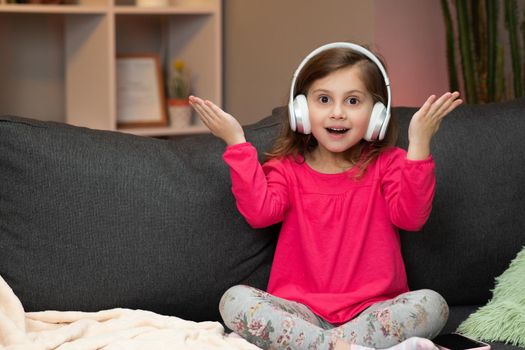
[426,121]
[220,123]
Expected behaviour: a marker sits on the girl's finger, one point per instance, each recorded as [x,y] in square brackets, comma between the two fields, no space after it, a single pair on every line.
[441,111]
[453,106]
[447,106]
[219,113]
[199,110]
[438,103]
[207,106]
[207,110]
[215,108]
[204,115]
[426,106]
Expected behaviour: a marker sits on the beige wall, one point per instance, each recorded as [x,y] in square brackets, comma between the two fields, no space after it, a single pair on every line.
[264,41]
[32,91]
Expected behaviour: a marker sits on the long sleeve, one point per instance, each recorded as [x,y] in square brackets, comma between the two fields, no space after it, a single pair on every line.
[408,187]
[338,250]
[260,191]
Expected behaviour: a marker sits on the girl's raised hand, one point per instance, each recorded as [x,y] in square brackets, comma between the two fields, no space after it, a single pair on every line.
[426,121]
[220,123]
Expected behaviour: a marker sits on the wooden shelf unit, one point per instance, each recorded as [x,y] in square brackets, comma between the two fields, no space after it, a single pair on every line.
[60,61]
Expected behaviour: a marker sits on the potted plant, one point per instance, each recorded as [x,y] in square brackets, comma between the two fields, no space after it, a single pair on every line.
[179,87]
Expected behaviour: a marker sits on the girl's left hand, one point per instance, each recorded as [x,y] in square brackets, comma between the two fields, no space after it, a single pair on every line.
[426,121]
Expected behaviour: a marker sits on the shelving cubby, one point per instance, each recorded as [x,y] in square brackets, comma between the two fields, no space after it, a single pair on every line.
[59,61]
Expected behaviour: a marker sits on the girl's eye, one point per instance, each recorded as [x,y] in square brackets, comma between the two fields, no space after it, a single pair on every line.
[353,101]
[324,99]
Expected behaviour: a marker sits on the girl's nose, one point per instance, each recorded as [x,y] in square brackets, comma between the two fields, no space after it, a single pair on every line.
[338,112]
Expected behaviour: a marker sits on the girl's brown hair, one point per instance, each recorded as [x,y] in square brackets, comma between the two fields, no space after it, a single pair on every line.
[321,65]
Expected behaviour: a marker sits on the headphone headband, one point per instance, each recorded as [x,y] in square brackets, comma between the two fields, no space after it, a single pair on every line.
[343,45]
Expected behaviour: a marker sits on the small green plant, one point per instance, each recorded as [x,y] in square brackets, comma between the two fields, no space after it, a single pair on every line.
[179,85]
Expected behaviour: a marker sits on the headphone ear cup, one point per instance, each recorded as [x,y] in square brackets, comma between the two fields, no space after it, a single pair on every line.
[302,120]
[291,115]
[377,119]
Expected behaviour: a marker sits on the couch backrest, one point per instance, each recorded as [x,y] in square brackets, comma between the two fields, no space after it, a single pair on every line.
[477,225]
[91,220]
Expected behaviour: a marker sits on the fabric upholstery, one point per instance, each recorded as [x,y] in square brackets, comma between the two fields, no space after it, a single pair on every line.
[477,224]
[91,220]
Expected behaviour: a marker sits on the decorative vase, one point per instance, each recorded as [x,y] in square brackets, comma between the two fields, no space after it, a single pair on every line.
[180,112]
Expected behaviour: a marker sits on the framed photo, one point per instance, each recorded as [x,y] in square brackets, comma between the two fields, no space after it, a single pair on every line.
[140,91]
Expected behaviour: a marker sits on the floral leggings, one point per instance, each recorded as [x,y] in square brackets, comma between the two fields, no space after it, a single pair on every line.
[274,323]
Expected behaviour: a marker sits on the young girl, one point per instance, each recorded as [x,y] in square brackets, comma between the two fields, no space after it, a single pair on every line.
[341,191]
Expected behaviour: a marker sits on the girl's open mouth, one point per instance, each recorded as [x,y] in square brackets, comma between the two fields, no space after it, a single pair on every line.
[337,130]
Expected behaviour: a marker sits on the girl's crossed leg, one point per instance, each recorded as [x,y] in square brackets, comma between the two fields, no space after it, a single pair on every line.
[274,323]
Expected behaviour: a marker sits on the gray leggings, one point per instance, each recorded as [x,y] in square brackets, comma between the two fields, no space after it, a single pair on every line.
[274,323]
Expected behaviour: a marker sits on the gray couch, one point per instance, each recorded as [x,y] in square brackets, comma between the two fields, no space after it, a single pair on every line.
[92,220]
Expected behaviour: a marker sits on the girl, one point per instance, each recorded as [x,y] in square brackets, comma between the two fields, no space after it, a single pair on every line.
[338,278]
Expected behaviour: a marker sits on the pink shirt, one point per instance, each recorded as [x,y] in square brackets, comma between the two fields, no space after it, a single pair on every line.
[338,251]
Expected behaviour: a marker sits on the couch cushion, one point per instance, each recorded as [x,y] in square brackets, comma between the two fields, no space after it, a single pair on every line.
[477,224]
[92,220]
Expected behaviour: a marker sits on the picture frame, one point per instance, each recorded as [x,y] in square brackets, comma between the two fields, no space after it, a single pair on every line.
[141,101]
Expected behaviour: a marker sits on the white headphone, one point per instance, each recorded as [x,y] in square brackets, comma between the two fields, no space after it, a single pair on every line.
[298,107]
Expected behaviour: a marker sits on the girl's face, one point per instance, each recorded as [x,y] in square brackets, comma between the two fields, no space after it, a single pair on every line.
[339,109]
